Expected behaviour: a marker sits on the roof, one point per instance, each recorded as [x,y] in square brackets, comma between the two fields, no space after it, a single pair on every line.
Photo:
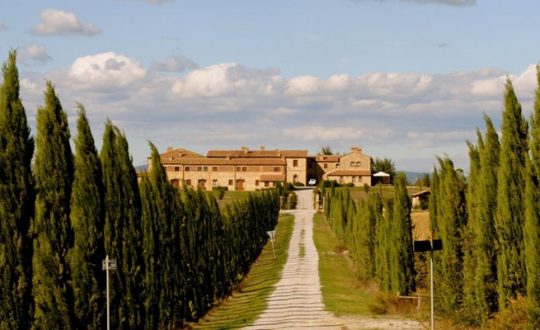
[222,161]
[349,173]
[420,193]
[381,174]
[257,153]
[327,158]
[272,177]
[179,153]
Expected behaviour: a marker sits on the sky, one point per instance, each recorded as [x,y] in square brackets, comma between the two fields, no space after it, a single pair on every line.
[408,80]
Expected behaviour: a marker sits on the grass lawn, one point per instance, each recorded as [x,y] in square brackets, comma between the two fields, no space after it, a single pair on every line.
[343,293]
[231,196]
[248,301]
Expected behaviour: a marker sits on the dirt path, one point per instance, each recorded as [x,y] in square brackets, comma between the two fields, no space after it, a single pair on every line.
[297,300]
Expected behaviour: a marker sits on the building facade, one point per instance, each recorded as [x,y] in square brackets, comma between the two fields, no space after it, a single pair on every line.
[250,170]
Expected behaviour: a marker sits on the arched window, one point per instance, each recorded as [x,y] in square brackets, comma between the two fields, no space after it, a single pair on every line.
[295,178]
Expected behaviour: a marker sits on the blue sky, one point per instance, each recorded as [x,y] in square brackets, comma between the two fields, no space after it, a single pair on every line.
[401,79]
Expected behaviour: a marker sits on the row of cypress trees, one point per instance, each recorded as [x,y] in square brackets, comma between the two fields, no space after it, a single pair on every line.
[490,222]
[176,252]
[378,234]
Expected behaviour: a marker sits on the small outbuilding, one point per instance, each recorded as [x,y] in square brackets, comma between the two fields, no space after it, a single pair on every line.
[420,199]
[381,177]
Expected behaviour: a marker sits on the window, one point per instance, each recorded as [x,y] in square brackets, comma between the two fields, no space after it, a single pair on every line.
[230,182]
[177,168]
[188,183]
[337,165]
[277,169]
[358,164]
[325,165]
[244,169]
[352,164]
[238,168]
[199,168]
[266,183]
[214,183]
[295,178]
[295,163]
[186,168]
[256,183]
[205,168]
[214,169]
[353,179]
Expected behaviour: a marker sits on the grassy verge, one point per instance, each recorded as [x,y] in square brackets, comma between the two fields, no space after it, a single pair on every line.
[343,293]
[248,301]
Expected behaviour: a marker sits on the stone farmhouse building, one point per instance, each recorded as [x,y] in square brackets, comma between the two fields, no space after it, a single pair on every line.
[247,169]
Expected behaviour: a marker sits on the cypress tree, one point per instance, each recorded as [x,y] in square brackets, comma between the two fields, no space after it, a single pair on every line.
[509,219]
[16,203]
[451,219]
[485,281]
[87,222]
[402,256]
[51,229]
[122,228]
[532,216]
[160,247]
[470,244]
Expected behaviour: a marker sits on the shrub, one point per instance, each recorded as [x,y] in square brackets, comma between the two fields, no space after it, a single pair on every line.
[366,187]
[293,200]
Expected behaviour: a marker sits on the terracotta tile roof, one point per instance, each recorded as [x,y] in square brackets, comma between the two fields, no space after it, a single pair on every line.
[180,153]
[256,153]
[222,161]
[272,177]
[419,193]
[327,158]
[349,173]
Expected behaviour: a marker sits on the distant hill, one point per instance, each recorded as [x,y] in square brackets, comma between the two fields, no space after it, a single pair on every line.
[141,168]
[412,176]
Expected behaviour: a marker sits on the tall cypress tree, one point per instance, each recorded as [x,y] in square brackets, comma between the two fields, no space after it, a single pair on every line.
[122,228]
[510,215]
[16,203]
[485,280]
[532,216]
[470,244]
[51,229]
[160,247]
[402,272]
[451,219]
[87,221]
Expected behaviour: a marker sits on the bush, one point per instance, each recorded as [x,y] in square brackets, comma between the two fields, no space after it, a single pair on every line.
[220,191]
[298,184]
[293,200]
[513,317]
[329,184]
[366,187]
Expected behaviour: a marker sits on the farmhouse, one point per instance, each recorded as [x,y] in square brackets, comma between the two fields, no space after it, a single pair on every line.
[247,169]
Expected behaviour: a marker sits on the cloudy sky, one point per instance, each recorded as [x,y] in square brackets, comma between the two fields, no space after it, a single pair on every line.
[404,79]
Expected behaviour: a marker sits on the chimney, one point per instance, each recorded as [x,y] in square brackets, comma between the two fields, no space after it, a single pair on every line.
[263,147]
[356,149]
[169,148]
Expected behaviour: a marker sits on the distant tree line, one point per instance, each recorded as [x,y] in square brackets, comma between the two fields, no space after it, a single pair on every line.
[378,235]
[490,222]
[176,252]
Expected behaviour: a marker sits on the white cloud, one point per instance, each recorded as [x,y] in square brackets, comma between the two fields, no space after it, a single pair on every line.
[175,63]
[105,70]
[304,85]
[396,115]
[60,22]
[34,53]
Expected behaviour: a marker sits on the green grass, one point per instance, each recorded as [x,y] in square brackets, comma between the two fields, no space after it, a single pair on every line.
[232,196]
[343,293]
[248,301]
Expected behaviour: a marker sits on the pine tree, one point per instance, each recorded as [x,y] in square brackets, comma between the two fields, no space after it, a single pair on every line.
[532,216]
[122,228]
[509,219]
[51,229]
[402,255]
[87,221]
[16,203]
[485,281]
